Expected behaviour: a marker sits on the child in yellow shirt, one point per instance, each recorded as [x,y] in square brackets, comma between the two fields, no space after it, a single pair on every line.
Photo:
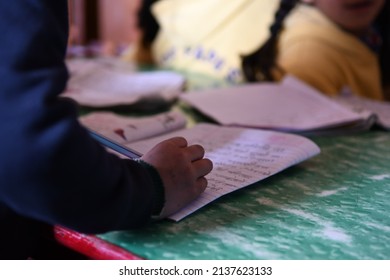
[327,43]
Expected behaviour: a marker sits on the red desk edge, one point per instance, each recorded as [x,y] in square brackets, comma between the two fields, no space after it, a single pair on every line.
[92,246]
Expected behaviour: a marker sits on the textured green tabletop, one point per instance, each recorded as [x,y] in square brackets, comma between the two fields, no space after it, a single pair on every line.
[333,206]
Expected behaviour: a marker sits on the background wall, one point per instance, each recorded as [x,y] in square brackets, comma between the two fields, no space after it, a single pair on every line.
[118,20]
[108,21]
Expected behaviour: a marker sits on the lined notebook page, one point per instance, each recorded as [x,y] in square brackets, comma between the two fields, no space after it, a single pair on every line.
[240,156]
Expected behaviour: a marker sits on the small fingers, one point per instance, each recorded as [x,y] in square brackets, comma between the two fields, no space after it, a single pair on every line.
[178,141]
[201,184]
[195,152]
[199,187]
[202,167]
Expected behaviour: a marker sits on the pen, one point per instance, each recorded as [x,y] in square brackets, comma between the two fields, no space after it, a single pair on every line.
[114,146]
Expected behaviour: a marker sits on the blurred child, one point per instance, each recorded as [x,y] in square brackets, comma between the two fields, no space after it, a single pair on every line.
[202,36]
[327,43]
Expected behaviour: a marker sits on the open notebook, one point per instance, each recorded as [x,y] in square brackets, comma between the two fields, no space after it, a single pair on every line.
[378,109]
[107,83]
[290,106]
[240,156]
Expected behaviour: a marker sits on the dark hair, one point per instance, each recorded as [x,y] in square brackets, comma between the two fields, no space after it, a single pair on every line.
[259,65]
[383,23]
[147,23]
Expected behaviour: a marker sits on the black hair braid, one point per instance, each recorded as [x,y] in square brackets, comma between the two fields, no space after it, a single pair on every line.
[147,23]
[258,65]
[383,22]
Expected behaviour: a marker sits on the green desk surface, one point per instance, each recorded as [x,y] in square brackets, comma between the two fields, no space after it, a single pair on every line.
[333,206]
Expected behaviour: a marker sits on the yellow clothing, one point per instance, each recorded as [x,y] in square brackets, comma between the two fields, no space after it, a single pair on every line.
[210,37]
[318,52]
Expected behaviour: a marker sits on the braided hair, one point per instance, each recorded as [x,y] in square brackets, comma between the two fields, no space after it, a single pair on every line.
[258,66]
[383,23]
[147,23]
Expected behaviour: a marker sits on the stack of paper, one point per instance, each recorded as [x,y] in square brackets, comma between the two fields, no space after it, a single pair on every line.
[289,106]
[104,83]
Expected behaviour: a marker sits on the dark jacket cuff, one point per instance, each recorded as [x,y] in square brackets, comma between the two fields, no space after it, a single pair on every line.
[158,186]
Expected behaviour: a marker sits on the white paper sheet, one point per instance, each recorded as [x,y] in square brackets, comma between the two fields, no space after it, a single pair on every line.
[289,106]
[96,84]
[240,156]
[125,129]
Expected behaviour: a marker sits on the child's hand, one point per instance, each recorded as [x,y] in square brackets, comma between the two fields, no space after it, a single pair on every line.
[182,169]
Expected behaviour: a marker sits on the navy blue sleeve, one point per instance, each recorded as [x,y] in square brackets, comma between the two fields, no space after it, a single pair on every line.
[50,169]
